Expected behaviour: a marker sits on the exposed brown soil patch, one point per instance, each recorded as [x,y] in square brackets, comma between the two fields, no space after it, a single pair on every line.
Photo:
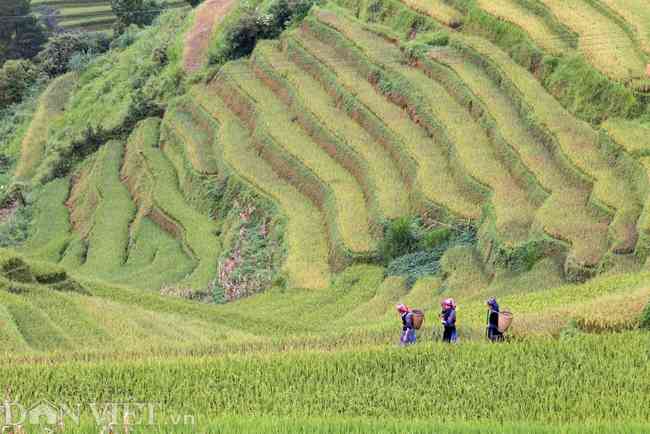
[197,40]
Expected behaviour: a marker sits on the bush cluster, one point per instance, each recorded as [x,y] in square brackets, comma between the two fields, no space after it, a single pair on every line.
[138,12]
[57,55]
[16,77]
[409,249]
[254,23]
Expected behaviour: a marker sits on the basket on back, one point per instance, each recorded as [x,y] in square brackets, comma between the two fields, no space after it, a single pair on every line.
[418,318]
[505,319]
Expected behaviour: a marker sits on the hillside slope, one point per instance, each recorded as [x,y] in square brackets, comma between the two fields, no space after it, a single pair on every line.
[280,170]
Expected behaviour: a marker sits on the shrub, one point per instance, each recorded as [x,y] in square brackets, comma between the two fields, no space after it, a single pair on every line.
[252,24]
[126,38]
[435,238]
[414,266]
[79,61]
[425,253]
[399,239]
[645,318]
[61,48]
[15,229]
[16,77]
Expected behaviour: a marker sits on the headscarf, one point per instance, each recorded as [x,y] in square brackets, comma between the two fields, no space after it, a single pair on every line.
[492,302]
[402,308]
[448,303]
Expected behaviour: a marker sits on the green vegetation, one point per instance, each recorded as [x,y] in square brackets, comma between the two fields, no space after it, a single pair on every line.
[617,57]
[21,35]
[51,106]
[320,384]
[244,229]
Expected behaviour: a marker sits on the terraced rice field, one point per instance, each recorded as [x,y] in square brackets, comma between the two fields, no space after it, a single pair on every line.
[307,262]
[471,143]
[336,127]
[637,14]
[89,15]
[391,191]
[575,140]
[633,136]
[352,220]
[603,42]
[533,24]
[435,176]
[305,152]
[565,214]
[438,10]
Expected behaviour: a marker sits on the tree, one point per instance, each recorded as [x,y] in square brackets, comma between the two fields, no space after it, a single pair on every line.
[62,47]
[16,76]
[21,34]
[138,12]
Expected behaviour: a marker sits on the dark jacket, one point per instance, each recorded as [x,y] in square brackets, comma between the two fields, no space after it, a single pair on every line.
[407,321]
[449,317]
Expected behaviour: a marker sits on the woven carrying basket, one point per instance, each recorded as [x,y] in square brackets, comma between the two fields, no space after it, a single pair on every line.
[505,319]
[418,318]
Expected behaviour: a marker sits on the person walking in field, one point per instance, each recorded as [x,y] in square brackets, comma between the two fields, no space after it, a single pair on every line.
[493,332]
[448,320]
[408,329]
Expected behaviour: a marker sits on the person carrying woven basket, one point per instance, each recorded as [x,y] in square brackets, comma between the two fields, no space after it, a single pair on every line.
[408,329]
[448,320]
[492,330]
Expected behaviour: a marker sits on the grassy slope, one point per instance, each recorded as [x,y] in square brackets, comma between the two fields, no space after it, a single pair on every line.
[50,107]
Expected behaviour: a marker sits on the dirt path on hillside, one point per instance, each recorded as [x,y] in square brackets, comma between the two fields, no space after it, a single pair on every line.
[197,40]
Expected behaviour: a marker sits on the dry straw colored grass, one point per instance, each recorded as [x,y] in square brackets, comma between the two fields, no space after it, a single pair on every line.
[576,139]
[632,135]
[637,13]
